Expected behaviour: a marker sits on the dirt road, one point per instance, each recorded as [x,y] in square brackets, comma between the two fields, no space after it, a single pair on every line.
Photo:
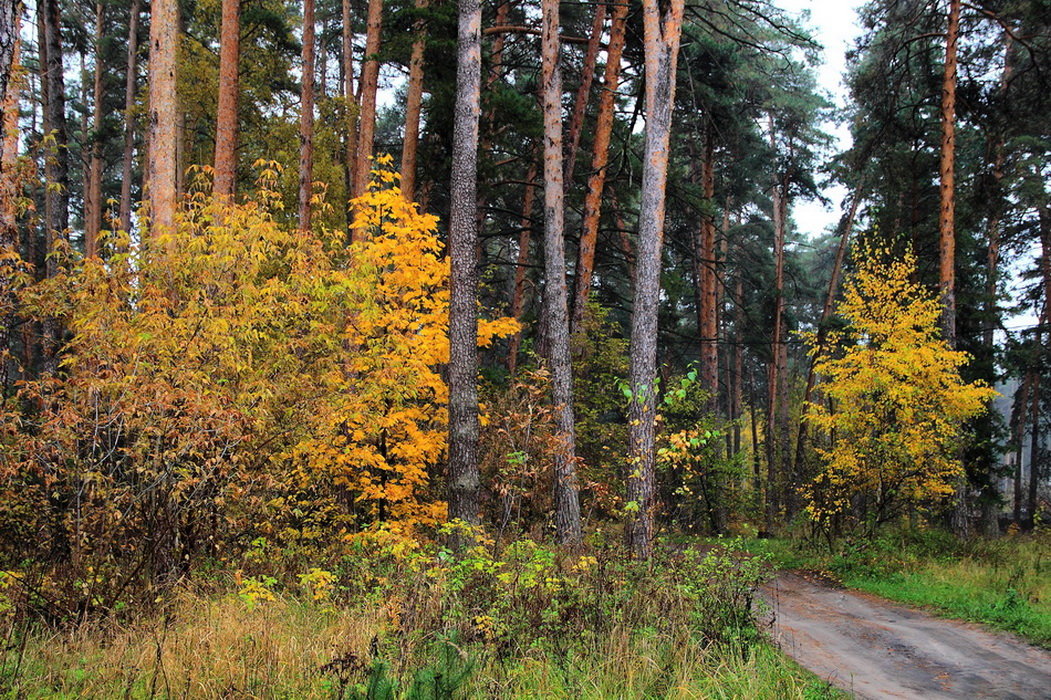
[876,649]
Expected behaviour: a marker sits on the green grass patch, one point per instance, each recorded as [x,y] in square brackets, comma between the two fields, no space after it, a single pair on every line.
[1004,583]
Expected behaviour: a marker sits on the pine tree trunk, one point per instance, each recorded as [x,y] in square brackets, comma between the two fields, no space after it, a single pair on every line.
[9,154]
[53,89]
[10,21]
[947,189]
[413,104]
[599,163]
[525,235]
[93,195]
[127,163]
[350,114]
[226,115]
[1035,448]
[706,276]
[306,120]
[774,453]
[164,115]
[369,86]
[1018,430]
[661,44]
[580,103]
[464,484]
[566,497]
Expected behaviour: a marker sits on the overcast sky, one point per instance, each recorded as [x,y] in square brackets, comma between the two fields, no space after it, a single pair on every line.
[835,26]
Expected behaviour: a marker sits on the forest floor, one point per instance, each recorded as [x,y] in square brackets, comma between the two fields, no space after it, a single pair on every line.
[877,649]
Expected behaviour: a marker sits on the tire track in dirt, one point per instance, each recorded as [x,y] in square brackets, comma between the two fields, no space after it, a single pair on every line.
[877,649]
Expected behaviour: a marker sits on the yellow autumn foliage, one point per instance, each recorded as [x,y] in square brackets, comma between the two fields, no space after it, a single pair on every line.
[898,402]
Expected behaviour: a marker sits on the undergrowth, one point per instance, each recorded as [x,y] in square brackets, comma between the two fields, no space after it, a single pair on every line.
[383,621]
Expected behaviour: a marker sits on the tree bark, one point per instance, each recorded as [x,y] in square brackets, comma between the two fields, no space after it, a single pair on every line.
[599,165]
[127,163]
[350,114]
[53,92]
[164,115]
[661,31]
[525,235]
[369,86]
[10,22]
[306,120]
[580,103]
[225,182]
[93,195]
[774,442]
[1035,448]
[1018,429]
[413,104]
[566,496]
[463,479]
[707,325]
[947,187]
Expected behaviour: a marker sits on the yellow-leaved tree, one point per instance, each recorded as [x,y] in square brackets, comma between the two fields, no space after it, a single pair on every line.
[895,402]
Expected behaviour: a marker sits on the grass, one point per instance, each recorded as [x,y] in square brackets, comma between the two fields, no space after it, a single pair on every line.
[217,646]
[525,622]
[1004,583]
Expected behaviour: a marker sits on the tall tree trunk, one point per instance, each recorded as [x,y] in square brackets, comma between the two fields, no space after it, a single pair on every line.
[774,441]
[229,91]
[413,103]
[525,235]
[846,229]
[599,164]
[947,189]
[9,153]
[662,31]
[580,103]
[10,22]
[53,89]
[464,484]
[707,325]
[350,112]
[566,497]
[127,163]
[306,120]
[164,114]
[370,72]
[737,362]
[1036,447]
[93,195]
[1018,430]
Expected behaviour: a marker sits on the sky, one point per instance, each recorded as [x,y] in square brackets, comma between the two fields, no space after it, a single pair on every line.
[834,25]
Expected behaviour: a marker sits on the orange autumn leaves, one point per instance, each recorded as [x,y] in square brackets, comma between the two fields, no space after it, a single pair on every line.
[235,366]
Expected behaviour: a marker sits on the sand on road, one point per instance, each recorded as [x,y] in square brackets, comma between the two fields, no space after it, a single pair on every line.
[877,649]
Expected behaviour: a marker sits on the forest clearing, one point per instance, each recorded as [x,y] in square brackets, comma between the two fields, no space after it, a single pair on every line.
[386,349]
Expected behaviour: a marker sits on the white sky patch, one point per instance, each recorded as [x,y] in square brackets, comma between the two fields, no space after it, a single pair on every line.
[834,26]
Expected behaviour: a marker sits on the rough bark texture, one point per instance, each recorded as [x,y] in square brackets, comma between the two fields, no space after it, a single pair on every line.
[306,120]
[370,71]
[463,480]
[93,193]
[9,156]
[226,115]
[413,103]
[947,187]
[707,322]
[1035,448]
[164,115]
[661,38]
[580,102]
[350,114]
[10,15]
[53,91]
[1018,430]
[127,164]
[566,496]
[774,438]
[599,165]
[525,235]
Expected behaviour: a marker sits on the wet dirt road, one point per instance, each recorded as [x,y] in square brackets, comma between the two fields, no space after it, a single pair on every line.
[877,649]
